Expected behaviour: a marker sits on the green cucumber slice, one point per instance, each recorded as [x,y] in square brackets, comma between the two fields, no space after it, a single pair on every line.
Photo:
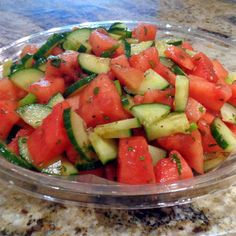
[57,98]
[172,124]
[118,134]
[60,166]
[177,70]
[24,151]
[106,149]
[161,46]
[118,86]
[34,114]
[77,133]
[150,112]
[30,98]
[93,64]
[167,62]
[46,48]
[102,130]
[78,86]
[76,38]
[25,77]
[156,153]
[228,113]
[152,81]
[88,165]
[223,135]
[181,92]
[231,78]
[173,41]
[13,158]
[139,47]
[6,71]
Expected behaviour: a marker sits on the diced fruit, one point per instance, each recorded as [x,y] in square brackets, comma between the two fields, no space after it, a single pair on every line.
[211,96]
[188,145]
[180,57]
[171,169]
[46,88]
[144,32]
[44,144]
[128,76]
[203,67]
[219,70]
[100,102]
[135,162]
[8,117]
[194,110]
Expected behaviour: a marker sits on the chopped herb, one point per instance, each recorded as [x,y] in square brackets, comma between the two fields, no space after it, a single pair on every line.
[96,90]
[152,64]
[192,127]
[141,158]
[24,140]
[55,61]
[176,159]
[106,117]
[212,144]
[201,109]
[145,30]
[130,149]
[58,141]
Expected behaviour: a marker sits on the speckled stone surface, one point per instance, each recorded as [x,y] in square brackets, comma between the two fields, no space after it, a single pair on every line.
[24,215]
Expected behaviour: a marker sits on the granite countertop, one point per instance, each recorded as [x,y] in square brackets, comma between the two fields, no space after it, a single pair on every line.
[24,215]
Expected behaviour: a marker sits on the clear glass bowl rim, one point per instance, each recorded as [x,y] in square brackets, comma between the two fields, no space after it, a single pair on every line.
[216,180]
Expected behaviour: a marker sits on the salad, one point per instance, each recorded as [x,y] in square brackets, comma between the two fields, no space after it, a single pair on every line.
[121,104]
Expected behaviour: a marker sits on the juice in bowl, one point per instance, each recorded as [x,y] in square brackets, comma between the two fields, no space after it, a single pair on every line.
[148,108]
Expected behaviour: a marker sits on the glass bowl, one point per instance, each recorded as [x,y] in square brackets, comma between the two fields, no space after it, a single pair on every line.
[88,190]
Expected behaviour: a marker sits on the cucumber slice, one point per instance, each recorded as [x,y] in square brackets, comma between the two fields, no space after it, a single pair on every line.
[172,124]
[106,149]
[41,64]
[181,92]
[161,46]
[152,81]
[127,102]
[228,113]
[27,60]
[77,133]
[30,98]
[57,98]
[102,130]
[118,86]
[13,158]
[91,165]
[115,36]
[24,151]
[6,71]
[46,48]
[150,113]
[78,86]
[231,78]
[34,114]
[118,25]
[93,64]
[118,134]
[156,153]
[127,47]
[223,135]
[25,77]
[213,163]
[76,38]
[173,41]
[139,47]
[177,70]
[167,62]
[60,166]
